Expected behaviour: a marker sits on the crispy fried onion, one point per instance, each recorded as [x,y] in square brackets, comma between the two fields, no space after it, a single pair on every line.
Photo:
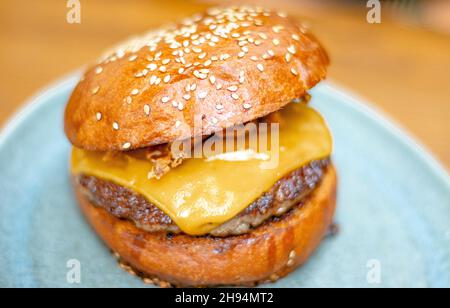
[164,159]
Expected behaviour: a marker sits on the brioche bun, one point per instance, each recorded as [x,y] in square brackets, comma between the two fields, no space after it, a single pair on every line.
[224,67]
[266,253]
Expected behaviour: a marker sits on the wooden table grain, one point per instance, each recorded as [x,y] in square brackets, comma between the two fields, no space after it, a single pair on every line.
[403,70]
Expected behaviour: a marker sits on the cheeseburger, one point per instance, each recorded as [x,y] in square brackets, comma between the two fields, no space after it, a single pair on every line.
[196,157]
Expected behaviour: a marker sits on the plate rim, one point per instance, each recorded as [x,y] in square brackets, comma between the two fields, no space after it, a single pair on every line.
[349,98]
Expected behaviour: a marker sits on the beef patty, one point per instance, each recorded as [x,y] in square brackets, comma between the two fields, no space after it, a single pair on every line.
[286,193]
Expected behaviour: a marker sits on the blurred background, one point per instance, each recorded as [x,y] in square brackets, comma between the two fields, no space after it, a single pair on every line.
[402,64]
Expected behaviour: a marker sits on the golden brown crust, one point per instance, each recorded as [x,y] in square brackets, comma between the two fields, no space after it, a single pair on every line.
[221,68]
[267,253]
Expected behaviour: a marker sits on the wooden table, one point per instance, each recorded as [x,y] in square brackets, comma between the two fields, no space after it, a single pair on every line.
[404,71]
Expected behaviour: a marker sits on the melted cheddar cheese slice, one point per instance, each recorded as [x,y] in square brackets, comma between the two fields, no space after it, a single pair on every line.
[201,193]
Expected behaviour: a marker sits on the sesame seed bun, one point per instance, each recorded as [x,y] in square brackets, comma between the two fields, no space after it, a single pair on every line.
[266,253]
[224,67]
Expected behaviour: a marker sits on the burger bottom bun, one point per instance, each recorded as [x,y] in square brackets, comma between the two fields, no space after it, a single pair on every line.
[267,253]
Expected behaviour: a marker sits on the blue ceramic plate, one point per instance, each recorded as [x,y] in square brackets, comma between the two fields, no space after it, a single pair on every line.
[393,207]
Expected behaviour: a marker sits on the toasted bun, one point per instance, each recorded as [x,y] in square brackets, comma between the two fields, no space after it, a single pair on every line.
[266,253]
[224,67]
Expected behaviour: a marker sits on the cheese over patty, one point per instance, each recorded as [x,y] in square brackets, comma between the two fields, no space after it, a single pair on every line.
[201,194]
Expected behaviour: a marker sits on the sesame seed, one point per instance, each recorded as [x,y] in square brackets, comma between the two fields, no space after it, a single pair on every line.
[152,66]
[175,104]
[165,99]
[247,106]
[260,67]
[292,49]
[212,79]
[200,75]
[288,57]
[241,54]
[128,100]
[235,96]
[95,90]
[99,70]
[99,116]
[296,37]
[180,70]
[126,146]
[186,97]
[262,35]
[167,79]
[218,86]
[202,94]
[120,54]
[135,92]
[292,254]
[254,58]
[180,106]
[277,29]
[193,87]
[141,74]
[132,58]
[177,124]
[232,88]
[116,126]
[165,61]
[214,120]
[294,71]
[147,109]
[219,107]
[207,63]
[270,52]
[276,42]
[162,69]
